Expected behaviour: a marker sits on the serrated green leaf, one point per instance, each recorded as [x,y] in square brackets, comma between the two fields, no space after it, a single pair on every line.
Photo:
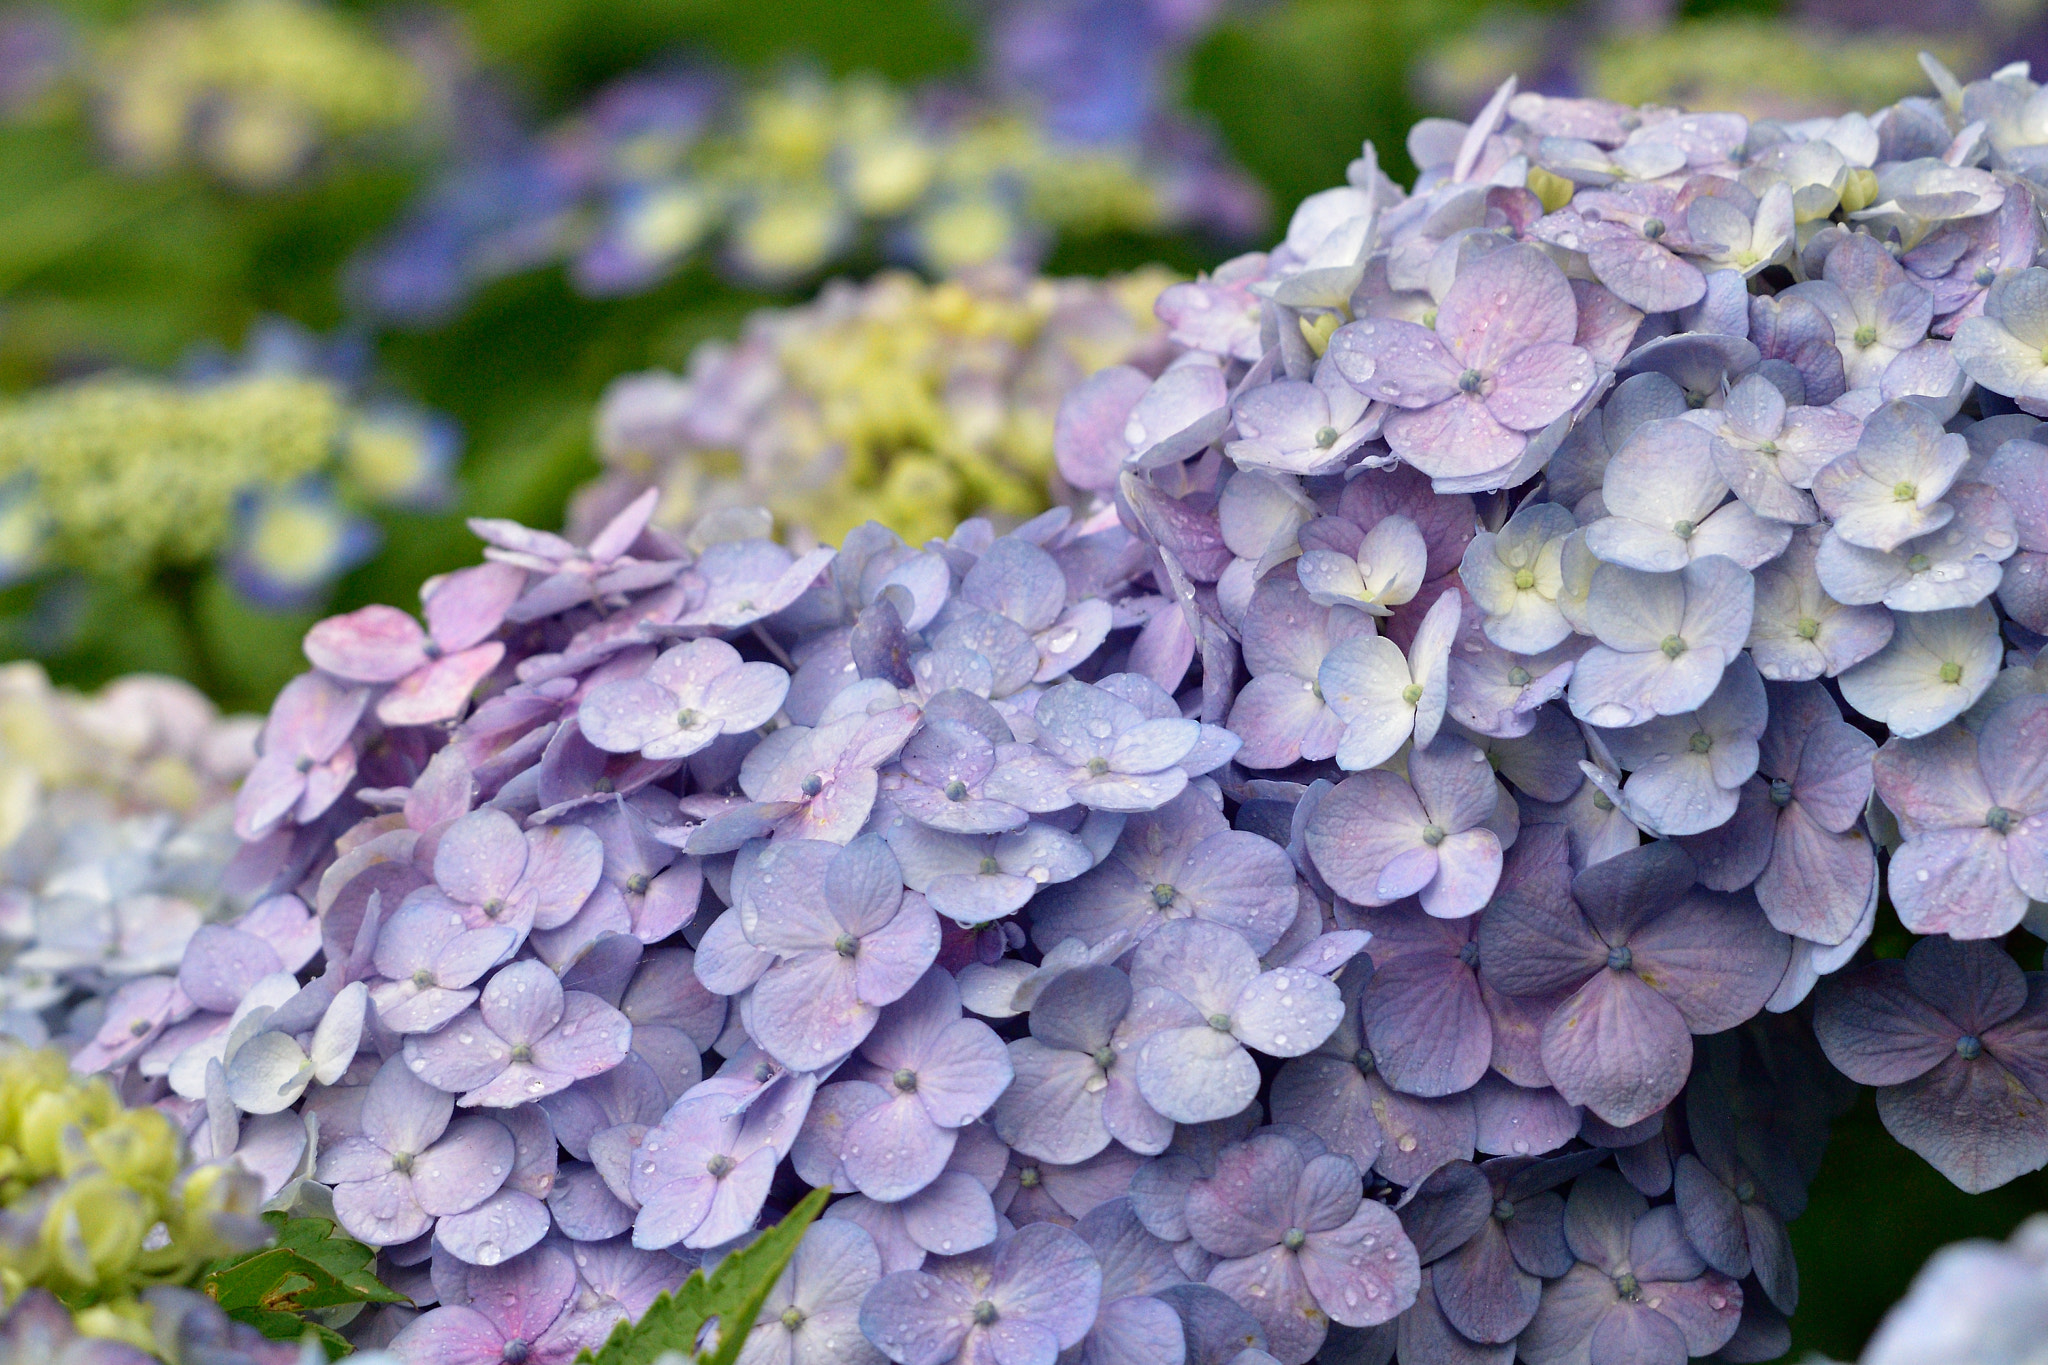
[307,1267]
[733,1295]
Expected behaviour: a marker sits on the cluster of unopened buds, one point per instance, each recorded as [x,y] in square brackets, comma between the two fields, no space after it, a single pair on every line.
[1392,871]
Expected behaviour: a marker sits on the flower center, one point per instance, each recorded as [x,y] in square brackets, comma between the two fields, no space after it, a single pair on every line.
[985,1314]
[1673,646]
[1105,1057]
[1601,800]
[905,1080]
[1503,1210]
[1412,693]
[1471,381]
[515,1352]
[1162,895]
[1469,954]
[1866,336]
[1985,277]
[792,1318]
[1295,1239]
[1326,437]
[1951,673]
[1432,835]
[638,883]
[1768,448]
[1781,793]
[1918,564]
[956,790]
[1682,529]
[1998,818]
[522,1054]
[1518,676]
[1745,1190]
[1626,1286]
[688,719]
[1525,579]
[423,978]
[1653,228]
[811,785]
[1027,1177]
[1969,1047]
[846,945]
[1098,766]
[401,1162]
[989,867]
[1364,1061]
[1904,491]
[1807,628]
[718,1165]
[1220,1022]
[1701,742]
[1620,959]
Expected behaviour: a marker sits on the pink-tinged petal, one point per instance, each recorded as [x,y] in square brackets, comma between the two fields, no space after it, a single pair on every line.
[522,1002]
[382,1211]
[480,858]
[1572,1310]
[564,864]
[1427,1332]
[1503,302]
[1426,1024]
[1456,439]
[1468,869]
[466,606]
[439,691]
[591,1039]
[1956,882]
[1536,386]
[1714,956]
[1876,1031]
[221,965]
[1395,362]
[455,1335]
[894,1150]
[1516,1120]
[376,644]
[1329,1097]
[1618,1048]
[1972,1120]
[1271,1287]
[894,957]
[1365,1271]
[807,1012]
[467,1166]
[1636,1334]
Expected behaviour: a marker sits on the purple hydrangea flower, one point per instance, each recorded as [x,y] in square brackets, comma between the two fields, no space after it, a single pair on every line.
[1282,714]
[688,697]
[812,1315]
[702,1173]
[1876,311]
[526,1038]
[1501,363]
[1488,1236]
[1664,639]
[1649,959]
[1637,1291]
[1798,632]
[431,672]
[1952,1037]
[1022,1301]
[1074,1091]
[516,1312]
[1974,812]
[409,1165]
[1377,839]
[307,760]
[1298,1245]
[1201,1000]
[1685,771]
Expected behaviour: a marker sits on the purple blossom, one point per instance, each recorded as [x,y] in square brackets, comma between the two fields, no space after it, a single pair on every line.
[702,1173]
[526,1038]
[1022,1300]
[1952,1037]
[1488,1236]
[517,1311]
[431,672]
[1180,861]
[1297,1244]
[846,938]
[1074,1091]
[1282,714]
[1648,958]
[812,1315]
[1974,812]
[1500,364]
[308,760]
[1201,1001]
[1685,770]
[1876,311]
[688,697]
[1664,640]
[409,1165]
[1637,1291]
[1377,839]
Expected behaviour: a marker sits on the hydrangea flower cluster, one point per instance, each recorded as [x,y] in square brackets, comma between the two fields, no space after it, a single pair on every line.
[783,179]
[115,835]
[266,466]
[895,401]
[253,92]
[1355,884]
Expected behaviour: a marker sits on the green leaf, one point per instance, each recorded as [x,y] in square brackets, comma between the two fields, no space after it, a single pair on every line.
[733,1295]
[308,1267]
